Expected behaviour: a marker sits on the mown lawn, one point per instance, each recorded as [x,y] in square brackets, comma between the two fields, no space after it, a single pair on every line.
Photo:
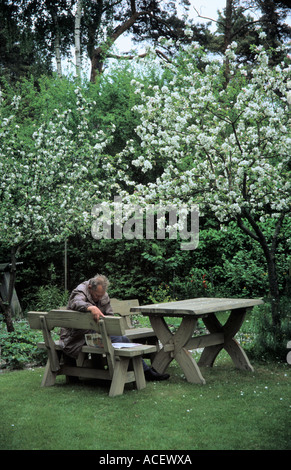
[235,410]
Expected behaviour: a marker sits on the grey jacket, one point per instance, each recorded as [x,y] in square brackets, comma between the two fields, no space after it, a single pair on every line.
[80,299]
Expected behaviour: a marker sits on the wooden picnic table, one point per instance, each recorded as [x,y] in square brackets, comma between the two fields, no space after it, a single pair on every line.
[178,344]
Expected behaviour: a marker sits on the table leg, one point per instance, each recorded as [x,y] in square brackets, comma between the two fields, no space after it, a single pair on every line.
[189,367]
[173,348]
[163,358]
[233,348]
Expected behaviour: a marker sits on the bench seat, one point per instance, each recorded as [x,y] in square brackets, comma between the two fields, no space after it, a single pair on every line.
[130,352]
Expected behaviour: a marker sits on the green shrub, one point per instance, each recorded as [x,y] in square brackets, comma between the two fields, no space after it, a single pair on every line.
[270,344]
[19,348]
[161,293]
[49,297]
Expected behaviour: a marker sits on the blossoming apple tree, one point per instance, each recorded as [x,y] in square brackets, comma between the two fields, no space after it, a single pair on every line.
[220,142]
[47,182]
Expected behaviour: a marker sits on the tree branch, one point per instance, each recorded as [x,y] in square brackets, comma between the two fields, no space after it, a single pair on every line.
[101,52]
[258,234]
[207,18]
[276,233]
[160,20]
[133,6]
[246,230]
[126,57]
[163,56]
[246,25]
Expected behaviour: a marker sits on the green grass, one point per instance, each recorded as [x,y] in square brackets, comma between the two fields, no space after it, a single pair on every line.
[235,410]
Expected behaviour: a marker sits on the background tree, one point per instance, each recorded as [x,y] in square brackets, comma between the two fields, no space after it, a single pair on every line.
[273,25]
[105,21]
[242,22]
[49,30]
[226,148]
[46,182]
[170,24]
[52,24]
[21,54]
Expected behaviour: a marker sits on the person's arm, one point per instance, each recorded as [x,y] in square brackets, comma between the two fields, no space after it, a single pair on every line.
[106,305]
[79,301]
[96,312]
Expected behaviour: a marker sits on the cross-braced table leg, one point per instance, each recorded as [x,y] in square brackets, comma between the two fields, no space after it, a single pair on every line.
[173,348]
[229,330]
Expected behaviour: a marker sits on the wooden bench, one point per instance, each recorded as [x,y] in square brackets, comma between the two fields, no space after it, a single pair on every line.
[112,364]
[135,334]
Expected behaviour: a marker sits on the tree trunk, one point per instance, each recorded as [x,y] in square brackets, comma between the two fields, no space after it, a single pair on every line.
[270,256]
[97,61]
[58,55]
[57,41]
[8,318]
[227,36]
[274,291]
[77,37]
[99,54]
[228,24]
[5,304]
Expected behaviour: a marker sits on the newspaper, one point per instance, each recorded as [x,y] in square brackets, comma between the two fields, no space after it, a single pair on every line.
[125,345]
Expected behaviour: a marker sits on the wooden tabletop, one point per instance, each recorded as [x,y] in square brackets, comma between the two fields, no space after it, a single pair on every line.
[199,306]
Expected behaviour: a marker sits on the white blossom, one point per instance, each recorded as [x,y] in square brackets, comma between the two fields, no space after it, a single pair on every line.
[229,142]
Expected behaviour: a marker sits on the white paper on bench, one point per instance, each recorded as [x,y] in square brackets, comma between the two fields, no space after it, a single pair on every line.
[125,345]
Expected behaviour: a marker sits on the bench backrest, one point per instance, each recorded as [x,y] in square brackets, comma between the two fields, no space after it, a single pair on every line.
[122,308]
[46,321]
[74,319]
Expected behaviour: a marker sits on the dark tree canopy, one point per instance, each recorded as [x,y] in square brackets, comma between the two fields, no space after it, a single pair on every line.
[34,34]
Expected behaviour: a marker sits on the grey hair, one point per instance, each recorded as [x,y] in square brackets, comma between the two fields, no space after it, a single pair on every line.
[99,280]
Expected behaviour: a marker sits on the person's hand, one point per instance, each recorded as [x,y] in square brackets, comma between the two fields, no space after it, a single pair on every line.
[97,314]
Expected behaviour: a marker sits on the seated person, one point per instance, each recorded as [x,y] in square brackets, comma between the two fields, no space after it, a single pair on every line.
[92,296]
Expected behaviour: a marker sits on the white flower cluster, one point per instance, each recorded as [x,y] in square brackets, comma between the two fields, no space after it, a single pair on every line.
[223,147]
[46,190]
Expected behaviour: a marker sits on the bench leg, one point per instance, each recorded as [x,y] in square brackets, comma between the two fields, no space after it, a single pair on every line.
[119,377]
[49,377]
[81,359]
[138,372]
